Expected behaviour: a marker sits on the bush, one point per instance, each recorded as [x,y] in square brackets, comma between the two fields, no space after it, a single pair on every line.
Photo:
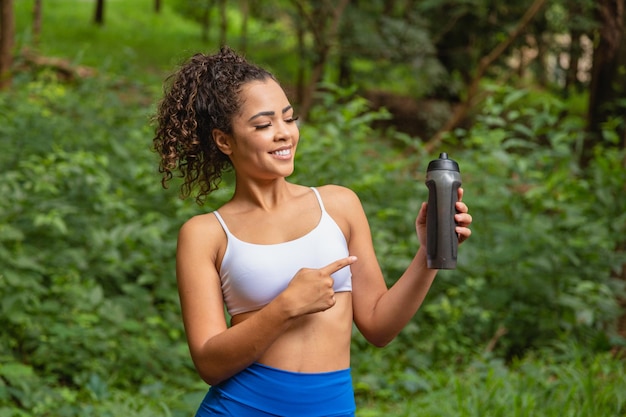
[541,265]
[87,243]
[535,386]
[87,239]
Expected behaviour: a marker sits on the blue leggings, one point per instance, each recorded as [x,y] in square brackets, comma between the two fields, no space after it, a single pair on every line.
[260,390]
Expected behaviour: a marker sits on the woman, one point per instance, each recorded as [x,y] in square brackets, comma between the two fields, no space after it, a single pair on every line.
[294,265]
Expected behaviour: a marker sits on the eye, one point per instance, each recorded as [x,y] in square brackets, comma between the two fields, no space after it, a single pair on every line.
[264,126]
[292,119]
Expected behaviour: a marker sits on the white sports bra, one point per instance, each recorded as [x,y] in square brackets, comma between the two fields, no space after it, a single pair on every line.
[252,275]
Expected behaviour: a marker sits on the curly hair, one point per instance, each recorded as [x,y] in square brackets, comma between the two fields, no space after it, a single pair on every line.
[203,95]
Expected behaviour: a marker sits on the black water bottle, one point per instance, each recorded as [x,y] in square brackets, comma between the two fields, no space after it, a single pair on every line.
[443,179]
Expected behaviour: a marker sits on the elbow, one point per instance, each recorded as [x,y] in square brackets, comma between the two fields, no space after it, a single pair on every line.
[211,378]
[210,374]
[377,336]
[380,343]
[379,340]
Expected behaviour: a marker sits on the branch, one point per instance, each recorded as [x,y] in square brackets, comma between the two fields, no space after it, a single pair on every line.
[461,111]
[62,67]
[495,338]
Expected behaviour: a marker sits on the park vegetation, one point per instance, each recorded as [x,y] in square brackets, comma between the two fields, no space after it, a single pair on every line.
[531,323]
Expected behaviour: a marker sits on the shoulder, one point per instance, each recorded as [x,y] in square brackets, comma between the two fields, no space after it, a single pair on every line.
[345,207]
[201,224]
[202,232]
[338,198]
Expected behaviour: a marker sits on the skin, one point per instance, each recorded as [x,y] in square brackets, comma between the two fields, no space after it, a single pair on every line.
[308,327]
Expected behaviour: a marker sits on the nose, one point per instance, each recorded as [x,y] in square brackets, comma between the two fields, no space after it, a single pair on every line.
[285,131]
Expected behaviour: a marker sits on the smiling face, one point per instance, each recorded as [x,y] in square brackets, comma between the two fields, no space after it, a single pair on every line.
[264,134]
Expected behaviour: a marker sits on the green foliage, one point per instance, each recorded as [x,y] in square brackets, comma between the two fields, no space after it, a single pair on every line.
[547,245]
[585,386]
[540,266]
[394,45]
[87,279]
[89,312]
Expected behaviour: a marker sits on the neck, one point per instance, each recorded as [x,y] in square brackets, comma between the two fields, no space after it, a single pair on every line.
[265,195]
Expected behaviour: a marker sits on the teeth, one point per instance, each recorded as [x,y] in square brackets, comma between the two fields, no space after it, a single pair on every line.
[284,152]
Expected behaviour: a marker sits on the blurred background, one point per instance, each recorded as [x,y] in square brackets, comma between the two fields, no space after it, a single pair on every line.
[529,98]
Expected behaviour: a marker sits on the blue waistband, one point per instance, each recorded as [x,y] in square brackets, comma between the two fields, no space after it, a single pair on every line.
[263,390]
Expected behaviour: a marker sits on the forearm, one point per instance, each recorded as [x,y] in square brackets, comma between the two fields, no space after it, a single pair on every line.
[398,305]
[234,349]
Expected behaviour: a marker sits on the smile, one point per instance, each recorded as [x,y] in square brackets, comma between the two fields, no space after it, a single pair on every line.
[282,152]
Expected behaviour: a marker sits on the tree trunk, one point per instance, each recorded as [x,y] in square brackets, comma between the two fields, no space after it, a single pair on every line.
[157,6]
[98,17]
[223,23]
[575,53]
[206,20]
[245,17]
[343,60]
[324,32]
[608,82]
[301,73]
[576,12]
[7,41]
[37,21]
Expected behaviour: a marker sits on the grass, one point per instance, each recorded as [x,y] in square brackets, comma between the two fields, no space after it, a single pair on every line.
[579,387]
[137,43]
[134,42]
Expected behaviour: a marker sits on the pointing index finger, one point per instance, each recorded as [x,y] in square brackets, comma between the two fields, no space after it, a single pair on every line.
[338,264]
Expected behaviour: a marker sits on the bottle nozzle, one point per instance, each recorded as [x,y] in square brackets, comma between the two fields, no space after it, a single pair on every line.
[443,163]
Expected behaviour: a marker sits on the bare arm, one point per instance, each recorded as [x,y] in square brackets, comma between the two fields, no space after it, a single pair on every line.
[381,313]
[218,351]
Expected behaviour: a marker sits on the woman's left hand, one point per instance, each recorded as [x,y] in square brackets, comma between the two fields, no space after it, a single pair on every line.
[462,218]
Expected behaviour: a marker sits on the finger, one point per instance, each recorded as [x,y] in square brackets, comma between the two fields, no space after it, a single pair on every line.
[461,207]
[463,233]
[463,219]
[338,264]
[460,193]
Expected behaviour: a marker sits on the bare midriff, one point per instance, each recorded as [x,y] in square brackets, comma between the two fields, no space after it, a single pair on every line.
[318,342]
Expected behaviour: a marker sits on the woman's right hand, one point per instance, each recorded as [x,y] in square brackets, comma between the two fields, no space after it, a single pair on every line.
[311,290]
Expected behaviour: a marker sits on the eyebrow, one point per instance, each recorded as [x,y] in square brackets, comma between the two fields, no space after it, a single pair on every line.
[269,113]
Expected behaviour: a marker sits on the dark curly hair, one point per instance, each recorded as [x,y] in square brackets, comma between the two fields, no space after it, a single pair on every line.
[203,95]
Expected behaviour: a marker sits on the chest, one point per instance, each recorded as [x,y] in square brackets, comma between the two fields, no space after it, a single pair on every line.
[254,274]
[267,228]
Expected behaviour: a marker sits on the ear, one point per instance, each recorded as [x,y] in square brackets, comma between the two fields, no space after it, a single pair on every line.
[222,141]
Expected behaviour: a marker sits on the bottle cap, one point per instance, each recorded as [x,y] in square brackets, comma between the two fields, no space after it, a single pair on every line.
[443,163]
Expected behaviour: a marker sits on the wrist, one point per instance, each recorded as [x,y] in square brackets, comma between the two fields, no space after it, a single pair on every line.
[284,308]
[421,255]
[421,261]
